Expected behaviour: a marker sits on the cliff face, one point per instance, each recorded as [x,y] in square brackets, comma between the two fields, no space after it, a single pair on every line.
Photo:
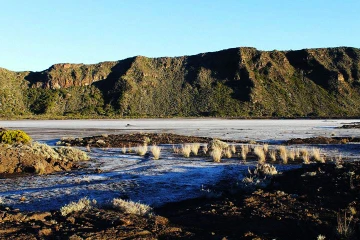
[241,82]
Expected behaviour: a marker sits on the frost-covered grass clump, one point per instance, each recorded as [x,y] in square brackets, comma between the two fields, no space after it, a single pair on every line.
[131,207]
[82,204]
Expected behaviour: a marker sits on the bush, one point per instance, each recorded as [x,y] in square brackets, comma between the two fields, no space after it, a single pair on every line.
[14,136]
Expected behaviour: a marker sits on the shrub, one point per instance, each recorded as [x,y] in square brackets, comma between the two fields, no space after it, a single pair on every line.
[44,150]
[305,155]
[265,169]
[123,149]
[217,144]
[14,136]
[272,155]
[266,148]
[317,156]
[233,149]
[155,150]
[131,207]
[176,150]
[228,153]
[72,154]
[186,150]
[82,204]
[291,154]
[244,151]
[283,154]
[195,148]
[205,149]
[259,153]
[216,154]
[141,150]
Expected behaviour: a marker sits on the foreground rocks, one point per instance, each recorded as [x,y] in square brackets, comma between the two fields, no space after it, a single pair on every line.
[295,205]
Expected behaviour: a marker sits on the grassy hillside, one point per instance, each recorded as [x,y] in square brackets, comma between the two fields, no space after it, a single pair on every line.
[239,82]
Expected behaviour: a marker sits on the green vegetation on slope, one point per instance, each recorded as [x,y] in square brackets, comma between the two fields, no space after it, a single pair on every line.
[239,82]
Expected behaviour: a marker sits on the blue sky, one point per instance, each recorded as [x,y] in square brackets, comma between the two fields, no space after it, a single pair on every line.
[38,33]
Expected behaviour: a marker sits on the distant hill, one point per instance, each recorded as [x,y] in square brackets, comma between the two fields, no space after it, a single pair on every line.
[237,82]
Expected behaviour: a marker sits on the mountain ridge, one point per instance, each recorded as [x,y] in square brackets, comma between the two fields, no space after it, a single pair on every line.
[235,82]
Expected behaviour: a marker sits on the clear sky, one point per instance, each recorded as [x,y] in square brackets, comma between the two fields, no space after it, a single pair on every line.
[38,33]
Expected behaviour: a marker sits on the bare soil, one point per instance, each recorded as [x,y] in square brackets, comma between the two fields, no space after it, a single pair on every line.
[135,139]
[322,140]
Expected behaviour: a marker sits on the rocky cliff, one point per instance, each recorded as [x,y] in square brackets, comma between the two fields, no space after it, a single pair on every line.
[238,82]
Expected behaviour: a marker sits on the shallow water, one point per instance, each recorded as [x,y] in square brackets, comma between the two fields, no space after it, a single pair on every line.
[154,182]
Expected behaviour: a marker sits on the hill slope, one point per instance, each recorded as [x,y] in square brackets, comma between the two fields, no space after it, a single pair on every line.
[238,82]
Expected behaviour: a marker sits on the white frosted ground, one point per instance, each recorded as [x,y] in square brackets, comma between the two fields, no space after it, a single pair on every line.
[263,130]
[172,178]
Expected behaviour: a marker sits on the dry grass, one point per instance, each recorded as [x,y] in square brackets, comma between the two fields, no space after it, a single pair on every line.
[297,152]
[304,154]
[260,154]
[40,168]
[82,204]
[205,149]
[216,154]
[272,155]
[73,154]
[291,154]
[265,169]
[186,150]
[245,149]
[233,149]
[155,150]
[123,150]
[316,155]
[195,148]
[228,153]
[130,150]
[132,207]
[176,150]
[283,154]
[266,148]
[343,228]
[141,150]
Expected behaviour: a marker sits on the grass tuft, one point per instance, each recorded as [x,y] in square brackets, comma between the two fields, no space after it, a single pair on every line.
[195,148]
[304,154]
[283,154]
[228,153]
[155,150]
[131,207]
[260,154]
[272,155]
[245,149]
[186,150]
[82,204]
[216,154]
[141,150]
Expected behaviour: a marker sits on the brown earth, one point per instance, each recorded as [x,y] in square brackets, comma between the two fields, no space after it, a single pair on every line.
[293,206]
[322,140]
[351,125]
[135,139]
